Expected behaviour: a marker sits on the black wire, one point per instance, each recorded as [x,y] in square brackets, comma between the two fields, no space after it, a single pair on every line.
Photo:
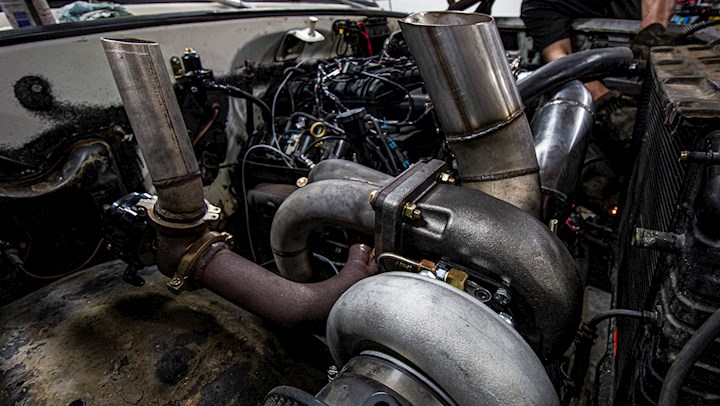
[385,143]
[686,358]
[618,313]
[377,151]
[233,91]
[692,29]
[328,138]
[399,86]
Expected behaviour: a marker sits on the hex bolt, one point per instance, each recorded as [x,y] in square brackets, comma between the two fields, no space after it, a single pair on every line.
[332,373]
[176,282]
[502,296]
[411,211]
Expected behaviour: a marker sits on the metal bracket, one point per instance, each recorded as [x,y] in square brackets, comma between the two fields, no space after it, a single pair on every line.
[391,201]
[193,253]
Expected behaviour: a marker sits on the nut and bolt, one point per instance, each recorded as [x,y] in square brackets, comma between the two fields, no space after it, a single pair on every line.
[332,373]
[373,195]
[301,182]
[502,296]
[446,178]
[176,282]
[411,211]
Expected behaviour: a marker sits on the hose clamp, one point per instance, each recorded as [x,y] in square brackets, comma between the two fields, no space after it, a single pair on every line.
[192,254]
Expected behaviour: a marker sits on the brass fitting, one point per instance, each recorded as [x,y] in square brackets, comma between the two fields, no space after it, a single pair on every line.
[411,211]
[446,178]
[301,182]
[456,278]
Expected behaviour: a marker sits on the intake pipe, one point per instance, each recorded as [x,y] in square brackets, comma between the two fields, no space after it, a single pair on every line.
[156,120]
[562,131]
[342,203]
[463,64]
[347,170]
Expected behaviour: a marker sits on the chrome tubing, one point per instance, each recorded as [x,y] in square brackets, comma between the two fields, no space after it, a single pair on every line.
[144,84]
[463,64]
[561,128]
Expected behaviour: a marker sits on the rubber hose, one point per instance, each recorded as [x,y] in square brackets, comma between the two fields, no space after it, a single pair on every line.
[686,358]
[585,66]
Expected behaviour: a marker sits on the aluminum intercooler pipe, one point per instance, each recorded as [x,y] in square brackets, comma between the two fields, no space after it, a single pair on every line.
[466,72]
[562,129]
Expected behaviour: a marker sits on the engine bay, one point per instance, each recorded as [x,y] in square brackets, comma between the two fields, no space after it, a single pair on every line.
[455,223]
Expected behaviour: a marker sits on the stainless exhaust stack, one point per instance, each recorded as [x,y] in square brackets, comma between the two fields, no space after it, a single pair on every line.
[147,94]
[463,64]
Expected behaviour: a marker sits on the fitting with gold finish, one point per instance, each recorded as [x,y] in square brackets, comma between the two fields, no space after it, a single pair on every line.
[318,130]
[411,211]
[192,254]
[445,177]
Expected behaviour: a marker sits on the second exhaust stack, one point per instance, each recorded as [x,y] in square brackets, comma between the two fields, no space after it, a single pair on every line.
[463,64]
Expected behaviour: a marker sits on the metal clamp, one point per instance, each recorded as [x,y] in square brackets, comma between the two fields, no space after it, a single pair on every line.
[192,254]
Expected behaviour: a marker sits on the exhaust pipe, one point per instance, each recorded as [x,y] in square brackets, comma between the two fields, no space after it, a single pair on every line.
[463,63]
[147,94]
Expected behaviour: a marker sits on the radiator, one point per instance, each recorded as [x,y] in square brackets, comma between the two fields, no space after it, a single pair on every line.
[680,110]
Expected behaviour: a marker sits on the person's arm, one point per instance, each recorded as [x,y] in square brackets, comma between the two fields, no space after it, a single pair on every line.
[556,50]
[657,12]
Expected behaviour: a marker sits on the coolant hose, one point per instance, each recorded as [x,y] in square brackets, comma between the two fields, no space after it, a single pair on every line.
[341,203]
[686,358]
[585,66]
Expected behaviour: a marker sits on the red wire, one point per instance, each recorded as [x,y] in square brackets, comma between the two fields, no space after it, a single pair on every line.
[366,34]
[202,132]
[87,261]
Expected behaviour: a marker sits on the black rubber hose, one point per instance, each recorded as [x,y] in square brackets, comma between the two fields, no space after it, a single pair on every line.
[585,66]
[233,91]
[699,26]
[462,4]
[686,358]
[635,314]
